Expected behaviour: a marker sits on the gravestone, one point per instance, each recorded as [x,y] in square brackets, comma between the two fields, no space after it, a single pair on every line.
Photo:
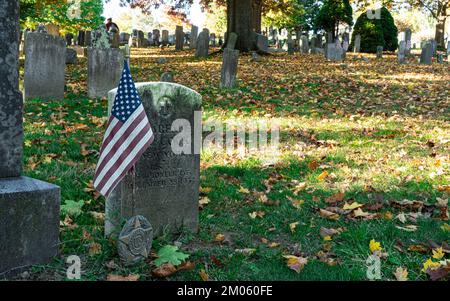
[427,54]
[357,47]
[71,56]
[104,70]
[29,208]
[230,60]
[193,37]
[135,240]
[440,58]
[290,45]
[433,47]
[165,38]
[408,35]
[179,38]
[124,38]
[164,187]
[232,39]
[202,44]
[379,52]
[88,38]
[166,77]
[156,37]
[334,52]
[150,38]
[304,44]
[212,39]
[81,37]
[45,62]
[140,39]
[100,38]
[69,39]
[262,43]
[401,53]
[345,45]
[329,38]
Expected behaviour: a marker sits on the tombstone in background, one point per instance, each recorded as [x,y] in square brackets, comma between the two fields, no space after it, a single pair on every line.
[29,208]
[81,37]
[440,58]
[290,45]
[304,44]
[379,52]
[71,56]
[45,62]
[88,38]
[165,186]
[408,35]
[334,52]
[329,38]
[262,43]
[100,38]
[141,43]
[232,39]
[345,45]
[156,37]
[433,47]
[401,53]
[179,38]
[427,54]
[357,47]
[150,38]
[69,39]
[166,77]
[203,44]
[212,39]
[193,37]
[165,38]
[124,38]
[229,68]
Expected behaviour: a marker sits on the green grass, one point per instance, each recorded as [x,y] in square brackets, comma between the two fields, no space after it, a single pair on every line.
[369,152]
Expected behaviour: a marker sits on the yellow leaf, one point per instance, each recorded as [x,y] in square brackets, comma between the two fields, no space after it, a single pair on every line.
[220,237]
[28,143]
[327,238]
[203,201]
[445,227]
[296,263]
[244,190]
[430,264]
[374,246]
[352,206]
[359,213]
[401,274]
[292,226]
[329,214]
[438,253]
[203,275]
[322,176]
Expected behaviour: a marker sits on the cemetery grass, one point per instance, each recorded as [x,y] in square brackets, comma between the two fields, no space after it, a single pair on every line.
[372,133]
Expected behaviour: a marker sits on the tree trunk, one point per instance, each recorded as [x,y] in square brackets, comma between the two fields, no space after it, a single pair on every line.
[440,31]
[240,21]
[257,13]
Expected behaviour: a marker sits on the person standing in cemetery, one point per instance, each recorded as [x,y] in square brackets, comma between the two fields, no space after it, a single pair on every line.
[111,26]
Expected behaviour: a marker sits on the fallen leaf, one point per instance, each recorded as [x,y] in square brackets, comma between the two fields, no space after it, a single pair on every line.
[292,226]
[374,246]
[322,176]
[296,263]
[244,190]
[203,275]
[401,274]
[329,214]
[335,198]
[165,270]
[131,277]
[438,253]
[352,206]
[203,201]
[95,248]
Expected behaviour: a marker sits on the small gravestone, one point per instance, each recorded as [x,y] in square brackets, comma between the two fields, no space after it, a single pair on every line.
[262,43]
[104,70]
[408,35]
[345,45]
[135,240]
[440,58]
[290,45]
[427,54]
[69,39]
[140,39]
[329,38]
[193,37]
[230,60]
[433,47]
[45,62]
[357,47]
[202,44]
[401,53]
[29,208]
[334,52]
[167,77]
[88,38]
[212,39]
[71,56]
[124,38]
[379,52]
[150,38]
[156,37]
[80,38]
[304,44]
[164,187]
[232,39]
[179,38]
[165,38]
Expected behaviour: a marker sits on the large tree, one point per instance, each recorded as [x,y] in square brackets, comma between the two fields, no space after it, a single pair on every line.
[334,13]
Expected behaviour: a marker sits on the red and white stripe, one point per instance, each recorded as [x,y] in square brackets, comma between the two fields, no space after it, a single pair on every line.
[123,145]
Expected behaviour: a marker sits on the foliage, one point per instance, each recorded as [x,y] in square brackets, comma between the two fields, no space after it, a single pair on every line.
[332,14]
[170,254]
[376,32]
[70,15]
[72,207]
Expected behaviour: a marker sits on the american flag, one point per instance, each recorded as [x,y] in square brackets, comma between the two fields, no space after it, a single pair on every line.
[127,137]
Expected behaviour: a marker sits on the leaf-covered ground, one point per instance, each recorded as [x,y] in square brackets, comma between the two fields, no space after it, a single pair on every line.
[363,168]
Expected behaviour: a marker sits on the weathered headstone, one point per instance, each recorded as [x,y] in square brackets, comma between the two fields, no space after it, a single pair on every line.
[230,60]
[304,44]
[81,37]
[212,39]
[179,38]
[100,38]
[202,44]
[379,52]
[29,209]
[69,39]
[433,47]
[45,62]
[334,52]
[87,38]
[329,38]
[357,47]
[124,38]
[408,35]
[135,240]
[156,37]
[141,43]
[401,53]
[232,39]
[164,187]
[71,56]
[193,37]
[262,43]
[104,70]
[165,38]
[427,54]
[290,45]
